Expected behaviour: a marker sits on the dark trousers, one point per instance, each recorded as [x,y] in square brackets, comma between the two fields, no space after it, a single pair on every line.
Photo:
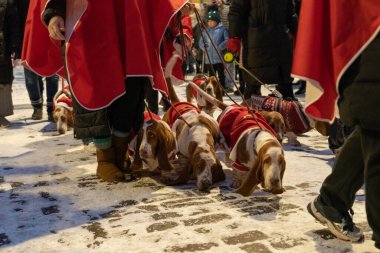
[35,88]
[357,163]
[251,89]
[151,97]
[125,114]
[215,69]
[338,133]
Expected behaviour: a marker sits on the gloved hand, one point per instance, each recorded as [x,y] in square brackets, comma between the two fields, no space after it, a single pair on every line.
[233,45]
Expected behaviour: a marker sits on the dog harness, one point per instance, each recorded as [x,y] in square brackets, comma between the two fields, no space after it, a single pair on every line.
[63,98]
[236,120]
[179,109]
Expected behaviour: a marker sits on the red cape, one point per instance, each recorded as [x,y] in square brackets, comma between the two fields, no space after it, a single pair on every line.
[331,35]
[39,53]
[111,40]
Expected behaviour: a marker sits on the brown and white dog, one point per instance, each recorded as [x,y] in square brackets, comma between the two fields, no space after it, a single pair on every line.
[257,155]
[63,114]
[209,85]
[196,134]
[154,146]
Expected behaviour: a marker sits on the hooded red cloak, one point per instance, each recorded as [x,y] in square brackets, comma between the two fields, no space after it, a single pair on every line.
[110,40]
[331,35]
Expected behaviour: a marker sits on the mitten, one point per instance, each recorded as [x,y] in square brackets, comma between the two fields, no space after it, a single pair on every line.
[233,45]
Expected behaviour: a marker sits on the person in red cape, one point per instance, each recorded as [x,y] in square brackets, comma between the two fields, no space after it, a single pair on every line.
[111,54]
[338,53]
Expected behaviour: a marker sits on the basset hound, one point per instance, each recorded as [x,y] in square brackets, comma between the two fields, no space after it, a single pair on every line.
[257,155]
[196,133]
[209,85]
[63,114]
[154,147]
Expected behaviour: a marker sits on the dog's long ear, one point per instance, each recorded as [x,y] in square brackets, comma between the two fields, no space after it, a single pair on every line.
[189,93]
[70,119]
[164,141]
[252,179]
[217,172]
[218,89]
[214,130]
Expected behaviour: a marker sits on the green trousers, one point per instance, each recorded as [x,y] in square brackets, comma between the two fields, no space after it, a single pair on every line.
[358,163]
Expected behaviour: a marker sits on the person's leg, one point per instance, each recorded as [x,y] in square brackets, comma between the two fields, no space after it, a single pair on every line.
[251,89]
[241,81]
[151,96]
[126,115]
[190,60]
[337,193]
[231,70]
[302,89]
[286,89]
[6,104]
[371,153]
[209,70]
[219,68]
[34,92]
[336,136]
[51,90]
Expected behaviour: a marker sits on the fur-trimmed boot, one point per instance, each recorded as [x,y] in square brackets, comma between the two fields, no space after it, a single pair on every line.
[107,169]
[120,144]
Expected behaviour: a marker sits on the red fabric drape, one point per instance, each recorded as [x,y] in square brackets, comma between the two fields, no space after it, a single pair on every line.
[331,34]
[112,40]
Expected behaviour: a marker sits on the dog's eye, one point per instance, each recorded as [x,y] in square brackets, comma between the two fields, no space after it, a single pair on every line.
[151,135]
[266,161]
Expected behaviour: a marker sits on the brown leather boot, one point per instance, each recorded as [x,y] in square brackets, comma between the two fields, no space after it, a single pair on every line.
[120,144]
[107,169]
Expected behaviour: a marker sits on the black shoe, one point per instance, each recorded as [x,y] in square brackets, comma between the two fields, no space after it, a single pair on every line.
[37,113]
[346,230]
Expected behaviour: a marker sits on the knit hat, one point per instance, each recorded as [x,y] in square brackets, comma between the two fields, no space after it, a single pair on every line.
[213,15]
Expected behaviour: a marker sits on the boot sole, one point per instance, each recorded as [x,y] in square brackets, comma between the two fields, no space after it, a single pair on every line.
[332,228]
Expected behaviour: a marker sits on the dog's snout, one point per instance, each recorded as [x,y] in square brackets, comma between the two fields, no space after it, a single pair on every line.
[205,185]
[275,181]
[143,153]
[208,89]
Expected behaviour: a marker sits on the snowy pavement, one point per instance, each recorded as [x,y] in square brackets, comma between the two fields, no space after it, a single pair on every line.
[51,201]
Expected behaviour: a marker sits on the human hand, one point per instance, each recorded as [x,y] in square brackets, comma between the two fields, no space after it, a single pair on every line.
[56,28]
[233,45]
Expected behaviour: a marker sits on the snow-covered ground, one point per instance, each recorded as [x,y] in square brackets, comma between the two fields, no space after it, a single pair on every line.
[51,201]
